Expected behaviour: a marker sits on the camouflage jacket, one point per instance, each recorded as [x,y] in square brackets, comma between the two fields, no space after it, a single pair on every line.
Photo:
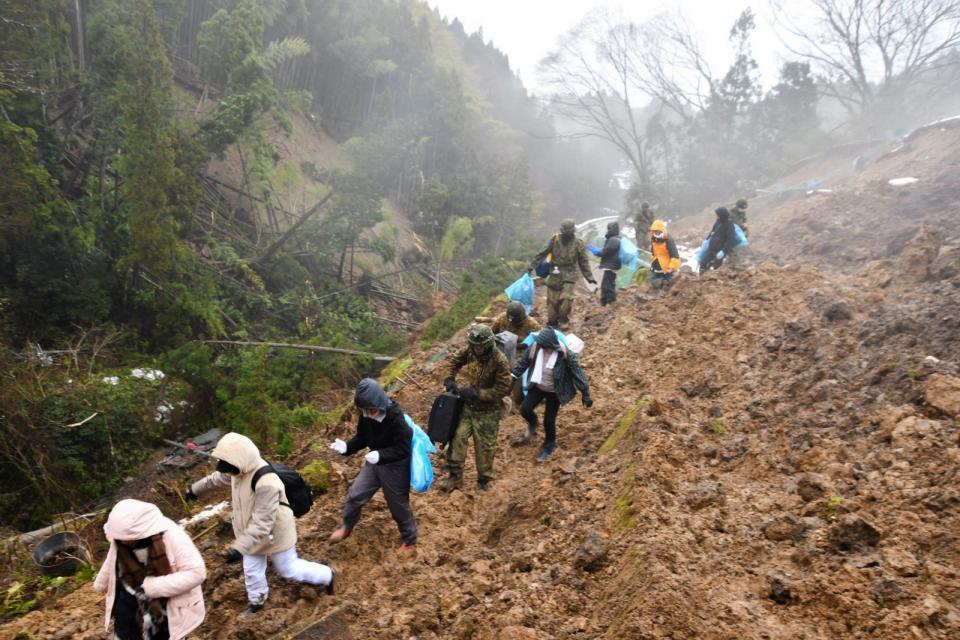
[490,376]
[566,258]
[527,326]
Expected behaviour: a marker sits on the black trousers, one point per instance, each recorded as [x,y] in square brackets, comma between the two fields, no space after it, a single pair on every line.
[608,287]
[534,397]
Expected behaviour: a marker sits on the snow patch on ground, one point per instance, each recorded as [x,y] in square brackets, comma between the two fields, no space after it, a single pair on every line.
[902,182]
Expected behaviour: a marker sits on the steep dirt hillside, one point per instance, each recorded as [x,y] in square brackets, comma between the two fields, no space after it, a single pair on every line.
[845,221]
[773,453]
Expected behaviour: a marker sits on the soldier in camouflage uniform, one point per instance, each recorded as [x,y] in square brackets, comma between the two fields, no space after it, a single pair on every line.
[641,223]
[568,252]
[738,213]
[516,321]
[486,374]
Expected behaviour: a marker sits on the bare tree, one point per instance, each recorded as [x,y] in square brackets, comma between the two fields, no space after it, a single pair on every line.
[607,67]
[872,53]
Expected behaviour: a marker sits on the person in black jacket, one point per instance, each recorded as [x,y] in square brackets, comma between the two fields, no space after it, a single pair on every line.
[383,430]
[723,237]
[610,264]
[554,378]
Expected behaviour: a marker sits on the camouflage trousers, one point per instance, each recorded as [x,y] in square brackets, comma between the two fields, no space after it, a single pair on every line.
[483,426]
[559,304]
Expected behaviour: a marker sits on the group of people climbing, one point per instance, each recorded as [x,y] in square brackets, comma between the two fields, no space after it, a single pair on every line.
[153,572]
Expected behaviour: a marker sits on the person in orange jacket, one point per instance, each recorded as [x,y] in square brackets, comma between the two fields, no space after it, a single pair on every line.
[666,258]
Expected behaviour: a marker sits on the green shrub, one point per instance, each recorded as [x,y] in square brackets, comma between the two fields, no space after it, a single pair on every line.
[478,286]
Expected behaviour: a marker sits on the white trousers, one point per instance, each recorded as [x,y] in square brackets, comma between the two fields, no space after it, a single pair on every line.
[288,565]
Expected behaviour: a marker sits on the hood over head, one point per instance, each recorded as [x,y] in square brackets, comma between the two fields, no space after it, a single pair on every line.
[613,229]
[722,213]
[134,520]
[547,338]
[239,451]
[658,226]
[370,395]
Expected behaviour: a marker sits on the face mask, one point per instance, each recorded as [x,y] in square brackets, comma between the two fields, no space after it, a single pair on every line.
[225,467]
[374,414]
[658,237]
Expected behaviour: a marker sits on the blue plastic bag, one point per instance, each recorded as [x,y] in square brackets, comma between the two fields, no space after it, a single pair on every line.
[594,249]
[741,237]
[629,255]
[421,469]
[741,242]
[522,291]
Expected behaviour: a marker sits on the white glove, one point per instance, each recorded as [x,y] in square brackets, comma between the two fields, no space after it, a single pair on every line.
[339,446]
[373,457]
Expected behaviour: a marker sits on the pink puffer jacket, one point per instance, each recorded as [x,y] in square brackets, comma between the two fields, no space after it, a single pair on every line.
[135,520]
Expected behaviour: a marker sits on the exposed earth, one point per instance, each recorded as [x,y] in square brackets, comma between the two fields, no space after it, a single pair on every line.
[772,453]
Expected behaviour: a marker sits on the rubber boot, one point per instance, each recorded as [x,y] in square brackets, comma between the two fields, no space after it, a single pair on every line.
[450,483]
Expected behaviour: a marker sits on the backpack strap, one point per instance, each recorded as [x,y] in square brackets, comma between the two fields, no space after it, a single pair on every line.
[262,471]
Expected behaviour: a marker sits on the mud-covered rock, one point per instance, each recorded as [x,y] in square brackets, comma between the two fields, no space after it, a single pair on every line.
[592,553]
[787,527]
[887,592]
[837,310]
[852,534]
[705,494]
[813,486]
[943,392]
[781,589]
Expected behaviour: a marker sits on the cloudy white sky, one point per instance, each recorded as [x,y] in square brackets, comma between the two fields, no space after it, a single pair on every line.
[527,29]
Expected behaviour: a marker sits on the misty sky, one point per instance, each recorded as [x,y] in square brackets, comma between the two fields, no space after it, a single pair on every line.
[527,29]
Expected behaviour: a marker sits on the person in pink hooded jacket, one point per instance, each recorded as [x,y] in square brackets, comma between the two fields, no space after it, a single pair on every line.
[152,575]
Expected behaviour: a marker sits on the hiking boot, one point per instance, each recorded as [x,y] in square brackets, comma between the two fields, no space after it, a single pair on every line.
[408,549]
[251,610]
[333,578]
[450,483]
[339,534]
[483,485]
[548,449]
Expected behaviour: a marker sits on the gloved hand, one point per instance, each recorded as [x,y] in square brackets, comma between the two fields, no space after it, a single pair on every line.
[530,272]
[141,596]
[587,401]
[373,457]
[469,393]
[232,556]
[339,446]
[450,385]
[190,495]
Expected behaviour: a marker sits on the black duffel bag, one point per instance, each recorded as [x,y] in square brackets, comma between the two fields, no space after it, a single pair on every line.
[444,418]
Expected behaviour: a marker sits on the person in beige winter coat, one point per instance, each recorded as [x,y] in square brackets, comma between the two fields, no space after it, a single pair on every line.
[158,571]
[263,524]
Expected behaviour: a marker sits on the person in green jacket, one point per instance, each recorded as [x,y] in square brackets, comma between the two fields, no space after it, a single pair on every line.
[567,253]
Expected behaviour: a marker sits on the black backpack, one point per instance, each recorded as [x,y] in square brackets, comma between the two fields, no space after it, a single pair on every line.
[298,491]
